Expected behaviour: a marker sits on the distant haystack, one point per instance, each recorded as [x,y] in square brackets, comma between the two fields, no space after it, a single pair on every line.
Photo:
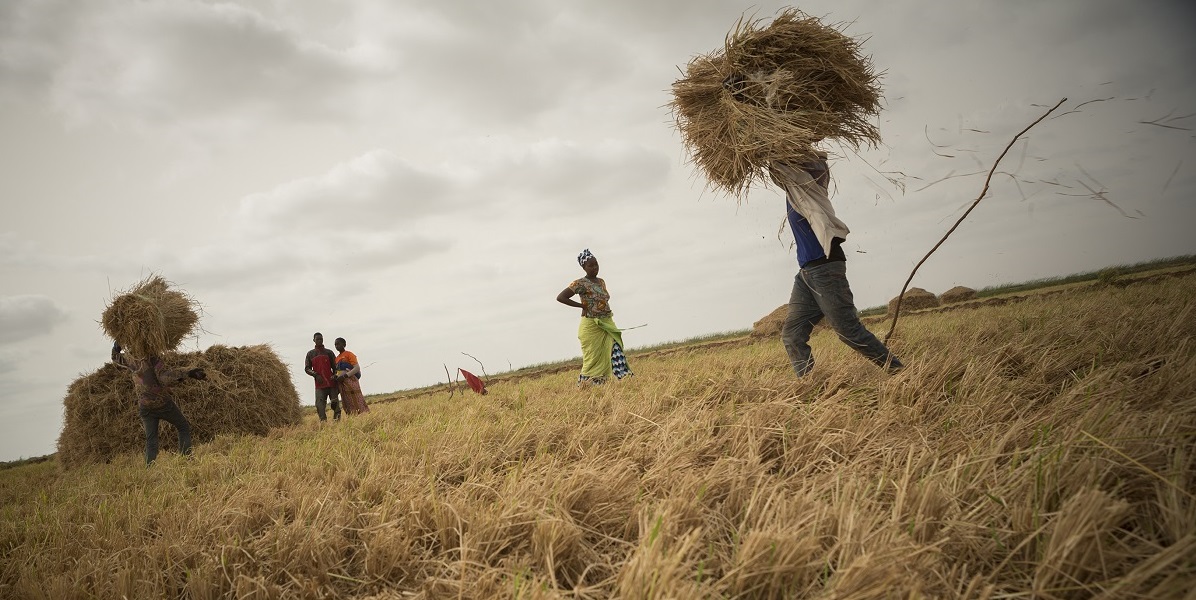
[914,299]
[248,391]
[770,94]
[958,294]
[770,325]
[151,318]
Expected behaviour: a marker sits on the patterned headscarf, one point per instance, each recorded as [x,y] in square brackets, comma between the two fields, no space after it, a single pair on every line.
[584,256]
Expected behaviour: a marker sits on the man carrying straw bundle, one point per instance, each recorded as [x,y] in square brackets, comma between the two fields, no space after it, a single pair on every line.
[820,288]
[753,112]
[150,320]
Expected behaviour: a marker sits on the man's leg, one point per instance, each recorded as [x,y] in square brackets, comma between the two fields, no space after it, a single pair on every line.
[171,414]
[804,313]
[334,394]
[322,403]
[831,290]
[149,421]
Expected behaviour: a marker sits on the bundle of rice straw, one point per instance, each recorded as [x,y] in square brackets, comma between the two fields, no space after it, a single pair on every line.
[248,390]
[151,318]
[770,94]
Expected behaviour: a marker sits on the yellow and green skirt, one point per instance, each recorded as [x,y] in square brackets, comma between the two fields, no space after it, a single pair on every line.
[601,350]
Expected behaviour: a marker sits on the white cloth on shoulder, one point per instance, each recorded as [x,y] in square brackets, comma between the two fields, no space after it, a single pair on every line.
[810,201]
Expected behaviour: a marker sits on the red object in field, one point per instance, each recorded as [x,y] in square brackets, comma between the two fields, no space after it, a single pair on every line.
[475,383]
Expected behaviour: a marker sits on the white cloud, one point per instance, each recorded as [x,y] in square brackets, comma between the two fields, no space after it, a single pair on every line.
[188,65]
[26,317]
[377,190]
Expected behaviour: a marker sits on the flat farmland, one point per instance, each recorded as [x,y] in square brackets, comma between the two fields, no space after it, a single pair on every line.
[1038,448]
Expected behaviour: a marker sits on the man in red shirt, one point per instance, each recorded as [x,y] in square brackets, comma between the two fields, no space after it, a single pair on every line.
[319,365]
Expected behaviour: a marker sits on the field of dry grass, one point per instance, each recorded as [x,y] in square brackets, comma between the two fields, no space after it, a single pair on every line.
[1038,449]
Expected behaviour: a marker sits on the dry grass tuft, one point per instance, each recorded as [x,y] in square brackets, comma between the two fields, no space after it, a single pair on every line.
[247,391]
[799,81]
[150,318]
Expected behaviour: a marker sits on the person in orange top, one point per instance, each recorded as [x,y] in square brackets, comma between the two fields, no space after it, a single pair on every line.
[348,372]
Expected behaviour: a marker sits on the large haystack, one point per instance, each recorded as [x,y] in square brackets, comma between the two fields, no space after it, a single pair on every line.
[772,92]
[248,391]
[958,294]
[914,299]
[150,318]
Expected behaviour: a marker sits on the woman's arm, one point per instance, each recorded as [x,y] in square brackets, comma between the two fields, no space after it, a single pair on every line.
[566,298]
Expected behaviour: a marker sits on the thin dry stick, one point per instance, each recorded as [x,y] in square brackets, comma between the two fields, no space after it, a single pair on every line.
[450,381]
[987,181]
[479,364]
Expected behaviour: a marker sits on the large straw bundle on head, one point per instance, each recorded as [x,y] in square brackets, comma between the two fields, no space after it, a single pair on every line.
[248,391]
[770,94]
[151,318]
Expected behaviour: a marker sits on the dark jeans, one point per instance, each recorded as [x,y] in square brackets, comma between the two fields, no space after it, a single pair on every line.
[171,414]
[822,291]
[323,395]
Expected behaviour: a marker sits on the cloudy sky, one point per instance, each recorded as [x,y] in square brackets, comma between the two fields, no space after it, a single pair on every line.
[418,177]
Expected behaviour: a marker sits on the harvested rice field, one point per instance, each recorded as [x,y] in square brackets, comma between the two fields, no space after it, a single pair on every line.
[1044,448]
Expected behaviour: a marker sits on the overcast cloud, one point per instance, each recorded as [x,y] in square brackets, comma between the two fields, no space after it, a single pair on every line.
[418,177]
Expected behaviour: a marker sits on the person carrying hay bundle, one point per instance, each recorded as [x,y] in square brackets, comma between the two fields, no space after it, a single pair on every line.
[820,288]
[601,341]
[348,372]
[320,364]
[754,112]
[155,402]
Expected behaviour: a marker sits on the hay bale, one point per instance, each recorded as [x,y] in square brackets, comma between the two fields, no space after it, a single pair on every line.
[248,391]
[770,325]
[770,94]
[150,318]
[914,299]
[958,294]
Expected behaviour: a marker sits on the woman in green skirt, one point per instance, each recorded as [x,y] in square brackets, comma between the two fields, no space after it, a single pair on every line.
[601,342]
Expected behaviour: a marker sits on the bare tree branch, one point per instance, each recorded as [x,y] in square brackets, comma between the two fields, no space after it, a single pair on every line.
[479,363]
[983,192]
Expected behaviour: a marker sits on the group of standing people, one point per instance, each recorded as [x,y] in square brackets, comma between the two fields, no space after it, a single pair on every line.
[337,378]
[336,375]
